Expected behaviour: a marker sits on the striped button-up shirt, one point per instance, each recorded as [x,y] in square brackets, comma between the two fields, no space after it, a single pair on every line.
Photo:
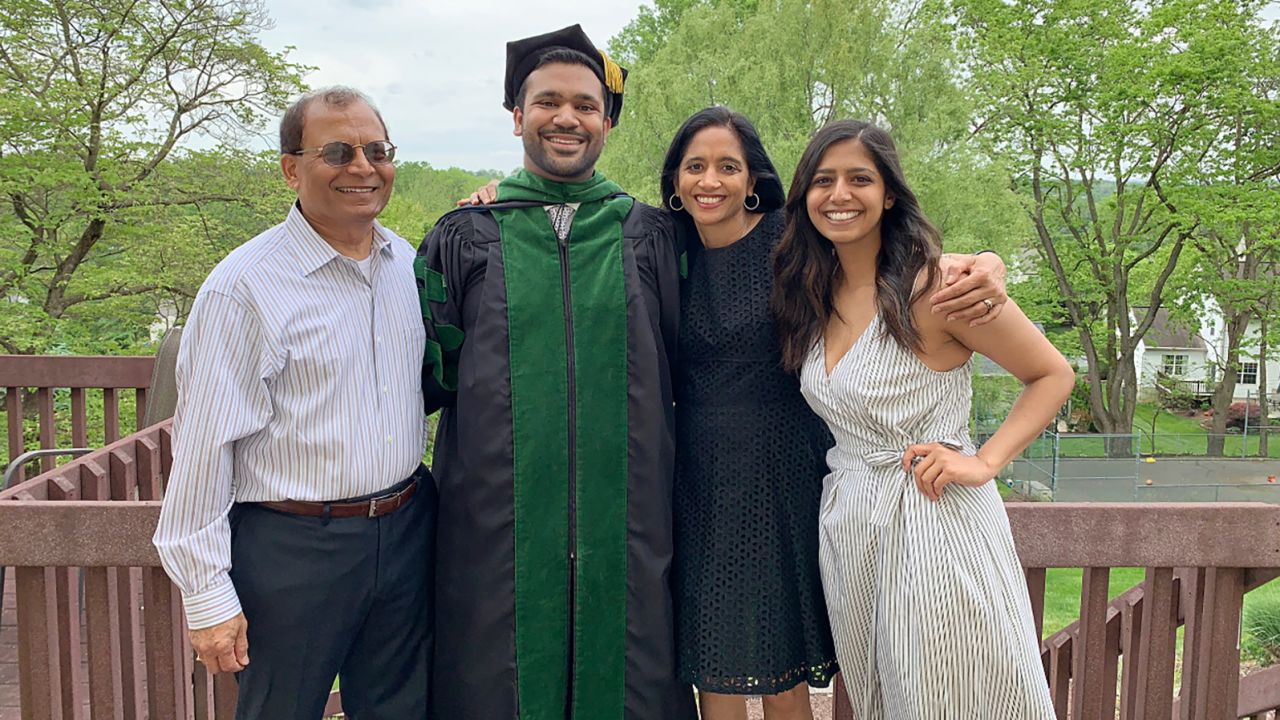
[298,378]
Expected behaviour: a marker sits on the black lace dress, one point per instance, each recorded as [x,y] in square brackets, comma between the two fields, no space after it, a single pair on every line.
[750,459]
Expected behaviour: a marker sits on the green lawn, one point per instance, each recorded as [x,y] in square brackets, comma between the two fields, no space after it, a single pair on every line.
[1174,435]
[1062,593]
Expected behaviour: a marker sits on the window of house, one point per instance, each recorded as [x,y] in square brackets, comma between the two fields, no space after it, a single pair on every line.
[1248,374]
[1174,365]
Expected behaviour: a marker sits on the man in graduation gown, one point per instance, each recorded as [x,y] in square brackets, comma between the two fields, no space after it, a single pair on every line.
[551,321]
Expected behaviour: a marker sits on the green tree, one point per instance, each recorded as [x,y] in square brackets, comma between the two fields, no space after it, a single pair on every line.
[794,65]
[1104,109]
[98,95]
[648,31]
[422,194]
[1237,204]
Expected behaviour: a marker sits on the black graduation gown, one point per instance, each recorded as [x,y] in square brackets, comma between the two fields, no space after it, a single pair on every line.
[603,633]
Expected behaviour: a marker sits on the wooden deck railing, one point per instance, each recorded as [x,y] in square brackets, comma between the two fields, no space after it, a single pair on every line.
[1200,559]
[30,379]
[91,520]
[117,649]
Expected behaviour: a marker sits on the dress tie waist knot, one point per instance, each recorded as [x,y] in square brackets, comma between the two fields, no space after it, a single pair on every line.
[887,504]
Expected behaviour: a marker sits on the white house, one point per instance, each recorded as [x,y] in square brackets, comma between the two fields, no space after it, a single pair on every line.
[1195,356]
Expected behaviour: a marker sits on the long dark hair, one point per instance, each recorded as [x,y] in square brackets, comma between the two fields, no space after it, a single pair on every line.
[768,186]
[805,266]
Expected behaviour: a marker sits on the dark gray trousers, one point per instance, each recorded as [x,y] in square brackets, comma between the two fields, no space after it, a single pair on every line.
[348,598]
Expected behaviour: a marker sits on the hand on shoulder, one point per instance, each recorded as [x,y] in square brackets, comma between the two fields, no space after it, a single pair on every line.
[972,288]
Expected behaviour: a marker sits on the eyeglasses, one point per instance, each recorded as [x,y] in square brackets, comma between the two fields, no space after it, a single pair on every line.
[338,153]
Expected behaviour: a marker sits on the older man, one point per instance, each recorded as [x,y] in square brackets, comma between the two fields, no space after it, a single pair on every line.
[298,518]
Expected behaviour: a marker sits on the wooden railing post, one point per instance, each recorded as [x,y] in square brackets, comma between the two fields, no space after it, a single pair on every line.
[841,709]
[1217,667]
[1089,689]
[168,673]
[1060,651]
[79,419]
[1192,638]
[106,687]
[44,408]
[1035,592]
[1131,647]
[110,415]
[224,696]
[12,410]
[39,674]
[1153,688]
[202,704]
[67,594]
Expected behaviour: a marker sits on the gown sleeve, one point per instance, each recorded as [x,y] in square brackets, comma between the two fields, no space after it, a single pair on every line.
[440,269]
[667,258]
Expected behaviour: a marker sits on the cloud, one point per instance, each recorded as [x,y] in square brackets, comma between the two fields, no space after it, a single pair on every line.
[371,4]
[433,66]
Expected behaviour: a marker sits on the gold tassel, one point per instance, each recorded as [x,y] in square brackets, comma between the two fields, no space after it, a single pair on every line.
[612,74]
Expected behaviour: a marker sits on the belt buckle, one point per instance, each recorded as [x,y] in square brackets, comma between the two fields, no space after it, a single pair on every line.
[373,508]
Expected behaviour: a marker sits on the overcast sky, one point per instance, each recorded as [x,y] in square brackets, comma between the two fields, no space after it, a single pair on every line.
[433,66]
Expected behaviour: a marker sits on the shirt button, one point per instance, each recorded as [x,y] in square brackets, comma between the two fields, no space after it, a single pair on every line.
[385,389]
[388,439]
[378,339]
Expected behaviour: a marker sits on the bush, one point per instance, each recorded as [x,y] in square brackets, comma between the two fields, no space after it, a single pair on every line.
[1080,418]
[992,397]
[1236,414]
[1175,396]
[1261,641]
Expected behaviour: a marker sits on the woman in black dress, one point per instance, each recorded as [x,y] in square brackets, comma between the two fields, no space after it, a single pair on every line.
[750,454]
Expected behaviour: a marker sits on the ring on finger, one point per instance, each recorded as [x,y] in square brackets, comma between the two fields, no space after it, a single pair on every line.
[990,305]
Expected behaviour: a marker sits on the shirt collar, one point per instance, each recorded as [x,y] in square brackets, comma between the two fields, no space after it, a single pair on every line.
[313,252]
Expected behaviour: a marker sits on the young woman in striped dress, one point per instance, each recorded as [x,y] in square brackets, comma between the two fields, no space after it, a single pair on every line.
[926,596]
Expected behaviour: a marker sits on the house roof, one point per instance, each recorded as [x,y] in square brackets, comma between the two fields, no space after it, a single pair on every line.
[1165,333]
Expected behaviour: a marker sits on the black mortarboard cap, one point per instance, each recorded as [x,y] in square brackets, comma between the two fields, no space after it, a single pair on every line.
[523,56]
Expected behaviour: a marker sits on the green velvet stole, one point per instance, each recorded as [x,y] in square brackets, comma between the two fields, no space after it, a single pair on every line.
[547,450]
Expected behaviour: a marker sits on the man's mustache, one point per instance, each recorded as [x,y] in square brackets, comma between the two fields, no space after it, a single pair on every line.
[564,131]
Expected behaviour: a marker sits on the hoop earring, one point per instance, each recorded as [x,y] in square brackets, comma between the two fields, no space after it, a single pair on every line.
[751,207]
[671,202]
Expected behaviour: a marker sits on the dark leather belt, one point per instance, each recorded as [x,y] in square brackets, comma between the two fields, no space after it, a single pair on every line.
[374,507]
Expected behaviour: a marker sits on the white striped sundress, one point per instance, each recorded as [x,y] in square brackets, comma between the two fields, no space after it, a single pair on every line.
[927,600]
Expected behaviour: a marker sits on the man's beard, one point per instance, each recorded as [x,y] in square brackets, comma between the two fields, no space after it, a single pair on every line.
[568,168]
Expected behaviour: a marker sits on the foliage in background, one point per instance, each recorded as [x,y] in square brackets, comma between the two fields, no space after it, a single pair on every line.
[1172,395]
[97,97]
[1231,270]
[171,249]
[794,65]
[1261,637]
[1120,156]
[1105,112]
[993,395]
[422,194]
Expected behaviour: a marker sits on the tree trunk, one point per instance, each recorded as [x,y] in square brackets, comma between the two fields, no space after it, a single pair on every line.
[1117,424]
[1220,403]
[1122,392]
[1237,323]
